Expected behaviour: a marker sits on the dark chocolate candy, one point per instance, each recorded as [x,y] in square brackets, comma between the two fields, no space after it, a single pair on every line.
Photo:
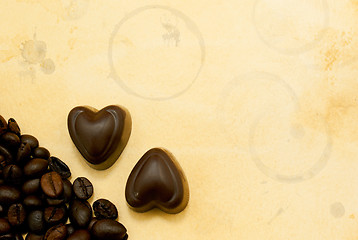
[100,136]
[157,180]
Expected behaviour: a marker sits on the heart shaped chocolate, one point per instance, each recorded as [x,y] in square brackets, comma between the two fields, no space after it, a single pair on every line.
[157,180]
[100,136]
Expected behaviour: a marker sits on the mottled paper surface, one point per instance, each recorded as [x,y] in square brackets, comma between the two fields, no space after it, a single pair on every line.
[257,99]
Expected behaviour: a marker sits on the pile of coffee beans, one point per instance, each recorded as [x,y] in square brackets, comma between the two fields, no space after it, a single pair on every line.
[37,199]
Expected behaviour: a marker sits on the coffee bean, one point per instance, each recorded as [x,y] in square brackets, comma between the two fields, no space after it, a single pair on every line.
[9,195]
[104,209]
[23,154]
[32,202]
[58,232]
[36,222]
[3,211]
[12,174]
[10,139]
[67,190]
[51,184]
[54,215]
[26,138]
[31,186]
[70,229]
[5,226]
[108,229]
[3,164]
[80,213]
[16,214]
[80,234]
[54,201]
[40,152]
[82,188]
[3,125]
[35,167]
[33,236]
[60,167]
[25,165]
[92,222]
[12,126]
[6,153]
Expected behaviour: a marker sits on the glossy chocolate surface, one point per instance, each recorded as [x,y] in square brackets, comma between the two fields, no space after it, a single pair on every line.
[157,180]
[100,136]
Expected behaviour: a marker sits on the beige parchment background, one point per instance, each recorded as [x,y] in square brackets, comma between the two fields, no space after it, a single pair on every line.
[257,99]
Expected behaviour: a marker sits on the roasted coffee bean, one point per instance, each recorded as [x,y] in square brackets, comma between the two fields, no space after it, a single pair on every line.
[9,195]
[31,186]
[58,232]
[80,213]
[12,174]
[23,154]
[10,140]
[36,222]
[60,167]
[31,140]
[5,226]
[3,211]
[33,236]
[40,152]
[108,229]
[32,202]
[6,153]
[54,201]
[16,214]
[12,126]
[51,184]
[3,125]
[80,234]
[92,222]
[82,188]
[104,209]
[54,215]
[67,190]
[35,167]
[3,163]
[70,229]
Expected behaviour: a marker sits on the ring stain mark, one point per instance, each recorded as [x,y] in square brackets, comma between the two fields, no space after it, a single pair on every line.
[121,49]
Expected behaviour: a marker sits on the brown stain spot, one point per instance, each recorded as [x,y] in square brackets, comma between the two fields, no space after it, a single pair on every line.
[354,3]
[11,49]
[71,43]
[336,49]
[352,216]
[73,29]
[332,104]
[331,101]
